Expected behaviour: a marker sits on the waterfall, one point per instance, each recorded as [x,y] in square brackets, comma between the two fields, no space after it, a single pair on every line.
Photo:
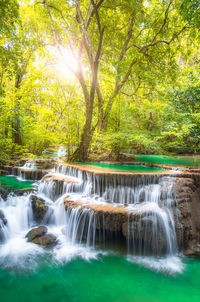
[18,214]
[147,199]
[28,171]
[134,210]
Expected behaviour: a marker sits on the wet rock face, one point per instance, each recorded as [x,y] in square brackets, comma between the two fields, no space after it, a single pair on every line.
[140,232]
[39,236]
[137,229]
[3,220]
[3,193]
[21,192]
[3,223]
[39,208]
[187,214]
[31,174]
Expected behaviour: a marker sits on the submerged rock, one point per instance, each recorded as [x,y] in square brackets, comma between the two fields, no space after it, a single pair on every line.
[39,236]
[39,208]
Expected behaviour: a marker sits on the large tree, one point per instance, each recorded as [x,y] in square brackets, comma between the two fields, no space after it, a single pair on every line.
[114,40]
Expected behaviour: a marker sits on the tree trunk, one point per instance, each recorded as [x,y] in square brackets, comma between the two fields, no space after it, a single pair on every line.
[16,134]
[16,128]
[150,125]
[81,154]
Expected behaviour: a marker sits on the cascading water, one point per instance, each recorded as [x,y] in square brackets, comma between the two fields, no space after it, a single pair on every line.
[150,223]
[28,171]
[148,230]
[29,165]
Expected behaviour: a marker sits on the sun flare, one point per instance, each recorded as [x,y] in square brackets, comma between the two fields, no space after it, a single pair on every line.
[65,61]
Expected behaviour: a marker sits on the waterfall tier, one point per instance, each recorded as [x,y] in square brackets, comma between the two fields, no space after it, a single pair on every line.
[146,214]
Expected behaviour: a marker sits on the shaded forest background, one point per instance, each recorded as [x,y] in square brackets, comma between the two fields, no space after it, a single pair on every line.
[100,77]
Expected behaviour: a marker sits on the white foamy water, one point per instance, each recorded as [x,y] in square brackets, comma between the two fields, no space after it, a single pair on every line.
[18,254]
[166,265]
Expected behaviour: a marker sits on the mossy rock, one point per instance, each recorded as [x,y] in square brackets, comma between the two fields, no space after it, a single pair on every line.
[39,208]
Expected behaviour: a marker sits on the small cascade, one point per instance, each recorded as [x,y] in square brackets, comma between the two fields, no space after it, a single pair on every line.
[83,225]
[18,215]
[29,166]
[28,171]
[117,188]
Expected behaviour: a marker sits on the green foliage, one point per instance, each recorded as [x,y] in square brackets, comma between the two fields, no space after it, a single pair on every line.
[149,83]
[10,151]
[191,11]
[123,142]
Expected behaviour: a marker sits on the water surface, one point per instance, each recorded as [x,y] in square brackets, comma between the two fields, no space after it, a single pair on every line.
[124,167]
[12,183]
[109,279]
[191,161]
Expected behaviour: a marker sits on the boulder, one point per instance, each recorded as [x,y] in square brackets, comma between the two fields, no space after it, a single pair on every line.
[46,240]
[39,208]
[39,236]
[36,232]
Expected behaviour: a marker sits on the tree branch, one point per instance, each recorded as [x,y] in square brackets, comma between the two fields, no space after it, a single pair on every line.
[98,5]
[164,22]
[52,24]
[127,40]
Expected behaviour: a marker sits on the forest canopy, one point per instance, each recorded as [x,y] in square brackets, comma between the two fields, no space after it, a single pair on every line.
[100,77]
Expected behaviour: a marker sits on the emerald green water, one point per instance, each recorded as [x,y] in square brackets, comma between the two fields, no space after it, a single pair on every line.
[110,279]
[193,161]
[10,182]
[138,168]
